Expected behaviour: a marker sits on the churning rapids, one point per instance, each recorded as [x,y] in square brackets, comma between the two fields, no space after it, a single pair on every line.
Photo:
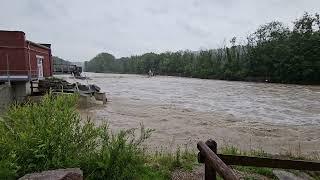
[275,117]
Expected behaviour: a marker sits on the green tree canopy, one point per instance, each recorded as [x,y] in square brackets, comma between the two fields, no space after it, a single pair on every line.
[273,53]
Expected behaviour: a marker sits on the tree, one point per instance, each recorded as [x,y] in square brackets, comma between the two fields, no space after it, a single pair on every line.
[274,52]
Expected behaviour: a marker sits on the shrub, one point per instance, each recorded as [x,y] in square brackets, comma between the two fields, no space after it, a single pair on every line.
[51,135]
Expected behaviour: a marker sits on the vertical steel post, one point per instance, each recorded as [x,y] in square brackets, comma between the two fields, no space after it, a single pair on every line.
[8,69]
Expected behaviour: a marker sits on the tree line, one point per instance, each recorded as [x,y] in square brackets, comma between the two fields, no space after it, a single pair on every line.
[58,61]
[273,53]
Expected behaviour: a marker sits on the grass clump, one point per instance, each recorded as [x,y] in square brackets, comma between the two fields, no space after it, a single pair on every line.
[51,135]
[165,162]
[268,172]
[232,150]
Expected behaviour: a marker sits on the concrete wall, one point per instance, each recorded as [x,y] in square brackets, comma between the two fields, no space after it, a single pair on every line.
[16,92]
[6,97]
[20,90]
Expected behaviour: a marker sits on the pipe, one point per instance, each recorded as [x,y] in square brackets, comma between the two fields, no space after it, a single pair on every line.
[8,69]
[29,61]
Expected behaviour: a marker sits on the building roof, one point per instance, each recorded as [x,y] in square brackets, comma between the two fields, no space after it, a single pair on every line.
[12,31]
[45,46]
[36,44]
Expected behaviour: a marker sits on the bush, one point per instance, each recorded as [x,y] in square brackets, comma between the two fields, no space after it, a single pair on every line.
[51,135]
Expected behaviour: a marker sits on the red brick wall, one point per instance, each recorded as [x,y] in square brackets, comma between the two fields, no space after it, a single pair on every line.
[34,51]
[14,45]
[12,38]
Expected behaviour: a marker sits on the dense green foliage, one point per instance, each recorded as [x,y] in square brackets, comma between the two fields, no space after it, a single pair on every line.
[273,53]
[51,135]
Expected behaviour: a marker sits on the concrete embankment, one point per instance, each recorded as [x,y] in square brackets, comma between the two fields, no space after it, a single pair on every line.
[6,96]
[13,92]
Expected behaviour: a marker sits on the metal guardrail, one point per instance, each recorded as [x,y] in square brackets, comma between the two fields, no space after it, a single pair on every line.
[218,162]
[14,71]
[8,75]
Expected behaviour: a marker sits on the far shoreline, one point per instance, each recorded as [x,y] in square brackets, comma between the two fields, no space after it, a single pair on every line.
[244,81]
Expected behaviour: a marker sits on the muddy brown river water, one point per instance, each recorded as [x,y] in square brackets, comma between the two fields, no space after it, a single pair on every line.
[275,117]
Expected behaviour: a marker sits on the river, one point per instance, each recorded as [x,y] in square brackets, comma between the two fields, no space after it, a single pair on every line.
[277,118]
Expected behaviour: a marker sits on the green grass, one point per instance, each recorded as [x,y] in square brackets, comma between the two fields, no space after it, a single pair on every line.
[232,150]
[165,162]
[50,135]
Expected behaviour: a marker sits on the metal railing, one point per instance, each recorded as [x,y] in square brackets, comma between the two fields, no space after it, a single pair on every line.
[8,75]
[9,72]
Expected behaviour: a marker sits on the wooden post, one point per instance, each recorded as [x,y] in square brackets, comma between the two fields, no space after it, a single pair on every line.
[210,174]
[212,160]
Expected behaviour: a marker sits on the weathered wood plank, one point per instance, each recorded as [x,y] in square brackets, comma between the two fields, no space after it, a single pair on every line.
[210,173]
[215,162]
[268,162]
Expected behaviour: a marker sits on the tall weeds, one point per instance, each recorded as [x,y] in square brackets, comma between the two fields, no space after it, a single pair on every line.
[51,134]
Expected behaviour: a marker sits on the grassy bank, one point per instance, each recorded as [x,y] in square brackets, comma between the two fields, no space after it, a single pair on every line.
[51,135]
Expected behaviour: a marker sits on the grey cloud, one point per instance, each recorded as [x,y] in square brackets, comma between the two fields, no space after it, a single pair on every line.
[194,30]
[80,29]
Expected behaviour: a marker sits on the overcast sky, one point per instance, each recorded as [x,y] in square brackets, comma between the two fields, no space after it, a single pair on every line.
[78,29]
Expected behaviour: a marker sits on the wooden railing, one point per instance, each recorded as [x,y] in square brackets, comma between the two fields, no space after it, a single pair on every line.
[219,163]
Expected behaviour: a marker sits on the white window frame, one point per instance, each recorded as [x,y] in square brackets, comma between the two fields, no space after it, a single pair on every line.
[38,57]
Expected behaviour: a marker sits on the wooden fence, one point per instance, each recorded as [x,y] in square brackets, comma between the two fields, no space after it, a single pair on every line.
[219,163]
